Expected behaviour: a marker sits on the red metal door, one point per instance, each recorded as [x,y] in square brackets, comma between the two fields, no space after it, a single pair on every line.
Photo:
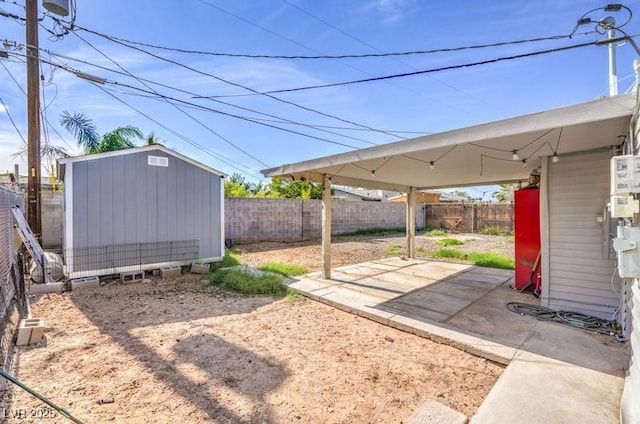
[527,238]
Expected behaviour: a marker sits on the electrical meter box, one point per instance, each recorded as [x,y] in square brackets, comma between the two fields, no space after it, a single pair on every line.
[624,206]
[627,247]
[625,174]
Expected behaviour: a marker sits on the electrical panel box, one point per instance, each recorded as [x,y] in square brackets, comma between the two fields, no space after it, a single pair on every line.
[627,247]
[624,206]
[625,175]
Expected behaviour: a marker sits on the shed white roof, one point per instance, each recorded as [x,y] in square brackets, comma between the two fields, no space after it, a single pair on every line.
[481,154]
[150,148]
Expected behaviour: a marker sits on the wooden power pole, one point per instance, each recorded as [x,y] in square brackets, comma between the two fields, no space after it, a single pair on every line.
[34,213]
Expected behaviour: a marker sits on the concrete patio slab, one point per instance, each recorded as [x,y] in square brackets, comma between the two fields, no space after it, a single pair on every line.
[462,291]
[555,373]
[432,412]
[438,302]
[560,375]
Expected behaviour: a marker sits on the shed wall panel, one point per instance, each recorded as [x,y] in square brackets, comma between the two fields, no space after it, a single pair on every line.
[122,200]
[130,194]
[118,196]
[579,275]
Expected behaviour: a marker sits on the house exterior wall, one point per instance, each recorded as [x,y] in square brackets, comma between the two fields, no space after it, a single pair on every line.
[578,271]
[629,405]
[120,212]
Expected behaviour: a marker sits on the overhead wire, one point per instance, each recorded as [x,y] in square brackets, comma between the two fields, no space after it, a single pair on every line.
[217,78]
[172,104]
[394,58]
[344,56]
[193,143]
[427,71]
[363,71]
[209,109]
[157,96]
[15,81]
[282,120]
[13,123]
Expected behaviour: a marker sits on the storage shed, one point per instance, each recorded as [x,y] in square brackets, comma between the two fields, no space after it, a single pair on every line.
[138,209]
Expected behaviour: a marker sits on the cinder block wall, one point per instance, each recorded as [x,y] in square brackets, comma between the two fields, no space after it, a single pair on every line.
[248,219]
[51,220]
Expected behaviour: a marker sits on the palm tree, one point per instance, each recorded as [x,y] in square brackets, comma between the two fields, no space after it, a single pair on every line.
[84,130]
[505,193]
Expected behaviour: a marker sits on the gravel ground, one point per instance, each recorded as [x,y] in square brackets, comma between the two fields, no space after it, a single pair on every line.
[166,351]
[357,249]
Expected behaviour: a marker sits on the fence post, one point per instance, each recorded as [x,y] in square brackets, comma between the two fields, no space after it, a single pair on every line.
[473,218]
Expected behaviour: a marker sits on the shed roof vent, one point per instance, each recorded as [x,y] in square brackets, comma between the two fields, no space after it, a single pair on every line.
[157,161]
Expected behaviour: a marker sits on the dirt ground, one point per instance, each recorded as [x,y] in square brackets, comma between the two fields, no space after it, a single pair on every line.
[164,351]
[358,249]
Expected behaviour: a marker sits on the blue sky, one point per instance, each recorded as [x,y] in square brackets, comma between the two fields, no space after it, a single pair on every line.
[423,103]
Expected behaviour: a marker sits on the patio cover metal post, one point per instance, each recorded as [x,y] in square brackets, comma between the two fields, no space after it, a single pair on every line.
[411,222]
[326,227]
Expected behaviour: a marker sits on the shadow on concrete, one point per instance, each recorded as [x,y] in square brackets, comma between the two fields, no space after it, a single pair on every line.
[446,299]
[220,367]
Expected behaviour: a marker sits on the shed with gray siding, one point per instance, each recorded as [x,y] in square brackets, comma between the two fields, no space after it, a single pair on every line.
[139,209]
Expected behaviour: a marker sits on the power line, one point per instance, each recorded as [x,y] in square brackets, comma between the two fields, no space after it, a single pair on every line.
[394,58]
[196,95]
[183,102]
[193,143]
[428,71]
[345,56]
[208,109]
[6,109]
[174,105]
[420,94]
[15,81]
[280,119]
[288,102]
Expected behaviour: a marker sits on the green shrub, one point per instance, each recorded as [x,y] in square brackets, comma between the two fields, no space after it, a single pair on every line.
[494,231]
[293,296]
[448,241]
[491,260]
[422,250]
[228,260]
[283,268]
[395,250]
[448,253]
[435,233]
[246,283]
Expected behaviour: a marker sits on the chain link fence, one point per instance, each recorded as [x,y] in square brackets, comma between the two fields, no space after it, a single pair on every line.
[12,289]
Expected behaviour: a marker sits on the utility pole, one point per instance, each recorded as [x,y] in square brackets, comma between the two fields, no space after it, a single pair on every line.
[34,211]
[609,23]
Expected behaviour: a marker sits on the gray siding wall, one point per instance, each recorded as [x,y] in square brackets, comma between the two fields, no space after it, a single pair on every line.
[122,199]
[630,404]
[579,275]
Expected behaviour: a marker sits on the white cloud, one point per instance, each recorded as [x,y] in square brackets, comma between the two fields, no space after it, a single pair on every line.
[391,11]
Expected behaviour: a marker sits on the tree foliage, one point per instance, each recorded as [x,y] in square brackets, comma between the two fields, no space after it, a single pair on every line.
[237,186]
[86,134]
[280,187]
[505,193]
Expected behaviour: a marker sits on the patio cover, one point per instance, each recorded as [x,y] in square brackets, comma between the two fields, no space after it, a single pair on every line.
[481,154]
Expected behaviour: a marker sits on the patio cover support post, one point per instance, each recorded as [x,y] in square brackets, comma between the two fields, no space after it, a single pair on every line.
[411,223]
[326,227]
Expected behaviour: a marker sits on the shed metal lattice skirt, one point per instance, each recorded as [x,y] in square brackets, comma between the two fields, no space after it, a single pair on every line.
[131,254]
